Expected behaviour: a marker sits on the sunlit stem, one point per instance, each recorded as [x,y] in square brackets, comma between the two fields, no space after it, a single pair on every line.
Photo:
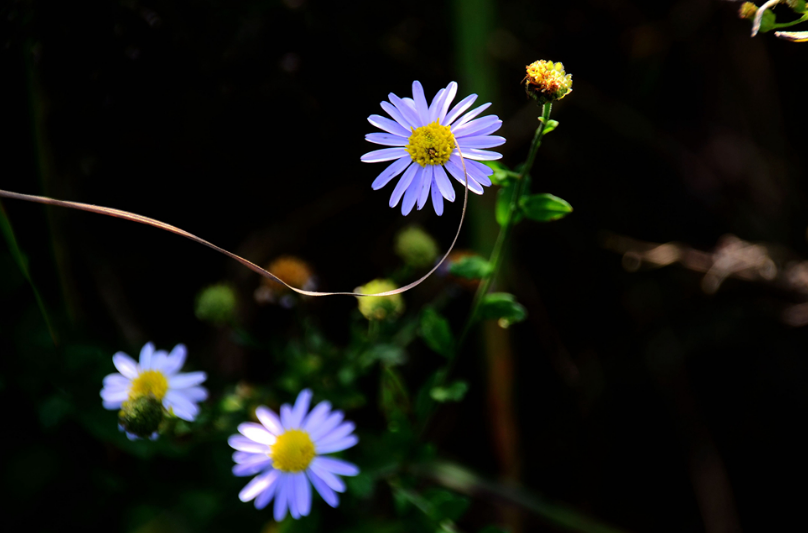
[791,23]
[504,231]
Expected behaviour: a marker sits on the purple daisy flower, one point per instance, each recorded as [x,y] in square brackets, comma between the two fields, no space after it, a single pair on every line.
[423,140]
[289,455]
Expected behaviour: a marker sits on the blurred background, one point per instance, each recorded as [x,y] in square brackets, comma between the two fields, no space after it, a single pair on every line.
[651,388]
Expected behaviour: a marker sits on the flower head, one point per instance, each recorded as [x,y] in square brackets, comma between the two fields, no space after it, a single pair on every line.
[289,455]
[216,304]
[379,307]
[293,271]
[425,140]
[155,378]
[416,247]
[547,81]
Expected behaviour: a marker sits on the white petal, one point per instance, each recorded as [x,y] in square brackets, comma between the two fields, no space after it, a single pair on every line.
[114,395]
[385,154]
[459,109]
[183,381]
[281,497]
[330,423]
[386,139]
[302,493]
[336,434]
[265,497]
[390,126]
[175,359]
[316,416]
[301,408]
[393,170]
[420,102]
[444,185]
[146,355]
[240,457]
[196,394]
[116,381]
[181,406]
[256,485]
[244,444]
[337,466]
[269,419]
[437,199]
[256,432]
[159,360]
[481,141]
[413,189]
[403,183]
[339,445]
[250,469]
[324,490]
[125,365]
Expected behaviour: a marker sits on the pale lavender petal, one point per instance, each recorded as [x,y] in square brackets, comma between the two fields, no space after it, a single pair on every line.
[403,183]
[390,126]
[181,406]
[241,457]
[393,170]
[411,195]
[481,155]
[330,423]
[385,154]
[116,381]
[291,495]
[485,131]
[437,199]
[479,172]
[480,141]
[196,394]
[301,408]
[336,434]
[245,444]
[316,416]
[159,360]
[459,109]
[420,102]
[145,356]
[456,170]
[302,493]
[475,126]
[324,490]
[112,406]
[114,395]
[470,115]
[250,469]
[256,485]
[443,183]
[286,416]
[281,498]
[256,432]
[125,365]
[269,419]
[175,359]
[408,112]
[448,97]
[330,479]
[265,497]
[386,139]
[398,116]
[337,466]
[339,445]
[433,106]
[190,379]
[426,183]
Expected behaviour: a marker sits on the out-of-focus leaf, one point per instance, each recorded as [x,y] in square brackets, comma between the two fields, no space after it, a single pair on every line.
[502,306]
[544,207]
[453,392]
[471,267]
[446,505]
[436,332]
[501,173]
[503,205]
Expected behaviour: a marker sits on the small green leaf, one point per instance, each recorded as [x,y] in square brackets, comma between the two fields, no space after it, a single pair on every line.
[453,392]
[436,332]
[503,206]
[544,207]
[550,126]
[502,306]
[768,21]
[471,267]
[446,505]
[501,173]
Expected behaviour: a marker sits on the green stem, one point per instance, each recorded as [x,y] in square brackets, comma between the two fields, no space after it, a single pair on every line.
[778,25]
[496,253]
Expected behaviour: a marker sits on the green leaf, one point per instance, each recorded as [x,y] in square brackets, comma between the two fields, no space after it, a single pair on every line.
[503,206]
[436,332]
[544,207]
[471,267]
[767,22]
[550,126]
[502,306]
[501,173]
[453,392]
[445,505]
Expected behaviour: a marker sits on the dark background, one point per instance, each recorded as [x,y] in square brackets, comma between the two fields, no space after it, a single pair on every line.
[637,398]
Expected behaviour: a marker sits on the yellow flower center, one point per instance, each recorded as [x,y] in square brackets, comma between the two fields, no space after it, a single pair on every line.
[149,383]
[293,451]
[431,144]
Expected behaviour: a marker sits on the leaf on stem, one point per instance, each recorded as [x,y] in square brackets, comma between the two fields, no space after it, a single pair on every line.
[503,307]
[471,267]
[503,206]
[544,207]
[453,392]
[436,333]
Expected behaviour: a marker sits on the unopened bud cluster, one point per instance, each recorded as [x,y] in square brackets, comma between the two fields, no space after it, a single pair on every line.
[380,307]
[547,81]
[141,416]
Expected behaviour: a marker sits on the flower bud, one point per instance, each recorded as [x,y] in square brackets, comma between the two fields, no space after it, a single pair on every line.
[747,11]
[416,247]
[141,416]
[293,271]
[216,304]
[379,307]
[546,81]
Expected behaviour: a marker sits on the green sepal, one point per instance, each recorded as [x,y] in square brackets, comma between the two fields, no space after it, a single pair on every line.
[544,207]
[471,267]
[502,306]
[454,392]
[549,126]
[436,333]
[767,21]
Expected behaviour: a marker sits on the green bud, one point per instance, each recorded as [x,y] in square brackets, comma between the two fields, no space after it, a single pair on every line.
[141,416]
[216,304]
[416,247]
[547,81]
[379,307]
[747,11]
